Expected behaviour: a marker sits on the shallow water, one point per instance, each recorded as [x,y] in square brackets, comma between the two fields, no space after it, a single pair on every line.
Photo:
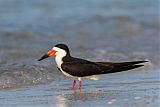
[129,89]
[103,30]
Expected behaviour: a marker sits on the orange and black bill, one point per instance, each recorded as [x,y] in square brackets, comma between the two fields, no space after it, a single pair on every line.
[49,53]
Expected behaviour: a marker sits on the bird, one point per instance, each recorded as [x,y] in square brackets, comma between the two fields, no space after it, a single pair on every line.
[78,68]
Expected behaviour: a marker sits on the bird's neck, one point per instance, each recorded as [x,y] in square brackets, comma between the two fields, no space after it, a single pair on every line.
[61,58]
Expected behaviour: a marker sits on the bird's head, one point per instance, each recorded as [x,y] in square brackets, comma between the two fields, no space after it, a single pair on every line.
[60,50]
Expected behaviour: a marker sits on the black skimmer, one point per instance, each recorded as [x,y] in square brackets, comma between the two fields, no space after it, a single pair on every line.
[80,68]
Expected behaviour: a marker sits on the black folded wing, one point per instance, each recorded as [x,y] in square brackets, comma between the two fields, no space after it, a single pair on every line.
[82,68]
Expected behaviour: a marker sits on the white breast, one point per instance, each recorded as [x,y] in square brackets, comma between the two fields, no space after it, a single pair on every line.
[60,54]
[59,63]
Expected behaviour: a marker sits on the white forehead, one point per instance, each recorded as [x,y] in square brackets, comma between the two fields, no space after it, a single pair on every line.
[58,49]
[60,53]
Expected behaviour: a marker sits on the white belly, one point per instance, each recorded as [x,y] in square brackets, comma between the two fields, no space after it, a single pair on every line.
[66,74]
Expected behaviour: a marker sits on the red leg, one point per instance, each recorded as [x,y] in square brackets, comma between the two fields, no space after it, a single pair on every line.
[80,84]
[73,84]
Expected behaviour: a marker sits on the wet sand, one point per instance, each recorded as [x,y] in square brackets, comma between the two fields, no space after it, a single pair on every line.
[127,89]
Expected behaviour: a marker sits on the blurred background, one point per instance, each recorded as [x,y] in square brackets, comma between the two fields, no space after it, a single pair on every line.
[106,30]
[97,30]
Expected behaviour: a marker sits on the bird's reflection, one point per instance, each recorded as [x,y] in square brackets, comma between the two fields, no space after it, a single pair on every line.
[78,98]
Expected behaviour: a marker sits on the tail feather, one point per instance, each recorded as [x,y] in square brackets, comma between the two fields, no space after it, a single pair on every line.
[121,63]
[129,63]
[125,68]
[121,66]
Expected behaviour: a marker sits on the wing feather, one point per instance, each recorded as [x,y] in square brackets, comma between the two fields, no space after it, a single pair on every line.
[85,69]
